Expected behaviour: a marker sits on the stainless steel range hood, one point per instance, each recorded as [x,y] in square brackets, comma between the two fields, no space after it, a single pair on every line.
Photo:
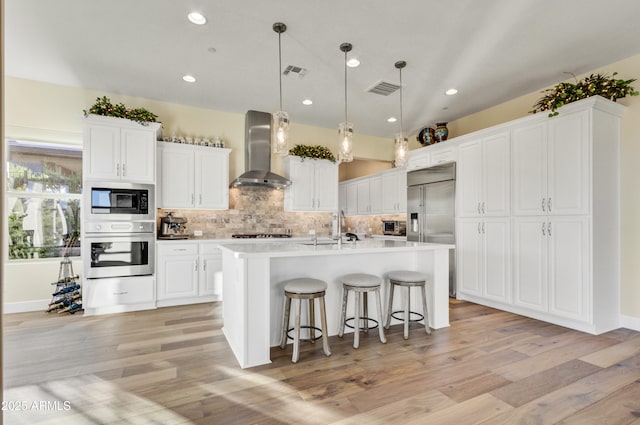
[257,154]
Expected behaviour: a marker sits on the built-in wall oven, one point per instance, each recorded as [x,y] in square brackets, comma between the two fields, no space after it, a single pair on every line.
[118,248]
[107,201]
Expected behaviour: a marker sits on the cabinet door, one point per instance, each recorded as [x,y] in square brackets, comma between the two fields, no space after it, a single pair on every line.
[496,233]
[101,157]
[352,199]
[569,278]
[530,262]
[211,180]
[390,193]
[211,275]
[496,176]
[342,197]
[375,194]
[364,201]
[178,277]
[402,191]
[469,183]
[300,195]
[326,186]
[568,164]
[138,159]
[529,159]
[176,178]
[469,256]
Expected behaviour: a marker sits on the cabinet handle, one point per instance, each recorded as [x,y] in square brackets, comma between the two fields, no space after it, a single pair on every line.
[543,231]
[193,199]
[549,228]
[549,204]
[124,170]
[196,263]
[204,266]
[318,203]
[479,208]
[543,209]
[483,227]
[479,228]
[121,293]
[118,169]
[482,207]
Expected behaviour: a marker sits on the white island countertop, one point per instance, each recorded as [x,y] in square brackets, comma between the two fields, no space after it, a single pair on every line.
[304,248]
[254,273]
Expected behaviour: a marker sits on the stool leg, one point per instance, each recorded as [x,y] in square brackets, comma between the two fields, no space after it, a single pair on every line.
[285,321]
[390,306]
[356,321]
[407,301]
[365,304]
[312,321]
[296,339]
[424,310]
[325,329]
[379,304]
[343,315]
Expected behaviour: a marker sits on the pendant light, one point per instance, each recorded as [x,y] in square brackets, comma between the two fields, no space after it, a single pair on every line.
[345,131]
[401,143]
[280,124]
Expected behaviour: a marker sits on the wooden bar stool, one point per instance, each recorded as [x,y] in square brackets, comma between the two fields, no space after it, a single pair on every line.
[361,283]
[304,289]
[407,279]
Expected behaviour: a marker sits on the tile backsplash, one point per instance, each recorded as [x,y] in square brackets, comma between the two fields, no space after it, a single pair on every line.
[261,210]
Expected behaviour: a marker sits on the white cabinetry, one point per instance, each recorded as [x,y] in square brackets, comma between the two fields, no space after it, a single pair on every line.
[394,192]
[118,149]
[369,195]
[188,273]
[565,216]
[483,178]
[432,155]
[118,295]
[314,185]
[193,177]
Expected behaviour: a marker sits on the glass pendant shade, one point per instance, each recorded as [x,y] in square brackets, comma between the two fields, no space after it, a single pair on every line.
[345,140]
[401,144]
[280,129]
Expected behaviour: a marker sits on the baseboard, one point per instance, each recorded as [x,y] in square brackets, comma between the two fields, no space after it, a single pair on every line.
[630,322]
[26,306]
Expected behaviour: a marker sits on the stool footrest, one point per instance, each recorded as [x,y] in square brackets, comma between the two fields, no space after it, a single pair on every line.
[305,339]
[375,326]
[415,313]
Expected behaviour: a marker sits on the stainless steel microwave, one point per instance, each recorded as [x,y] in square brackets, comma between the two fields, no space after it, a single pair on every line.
[119,201]
[394,227]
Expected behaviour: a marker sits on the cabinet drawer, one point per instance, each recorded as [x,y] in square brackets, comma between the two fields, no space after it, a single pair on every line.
[118,291]
[177,248]
[210,248]
[418,160]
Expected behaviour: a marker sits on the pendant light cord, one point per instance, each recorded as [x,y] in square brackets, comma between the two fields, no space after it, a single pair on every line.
[401,121]
[280,66]
[345,87]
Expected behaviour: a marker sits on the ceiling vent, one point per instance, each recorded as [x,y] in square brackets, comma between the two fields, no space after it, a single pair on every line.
[385,88]
[295,70]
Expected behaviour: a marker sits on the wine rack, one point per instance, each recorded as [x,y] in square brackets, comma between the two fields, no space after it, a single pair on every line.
[67,297]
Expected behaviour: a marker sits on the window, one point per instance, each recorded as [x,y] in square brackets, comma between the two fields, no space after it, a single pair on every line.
[44,191]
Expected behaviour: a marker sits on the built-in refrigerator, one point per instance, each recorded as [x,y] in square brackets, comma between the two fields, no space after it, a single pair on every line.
[431,209]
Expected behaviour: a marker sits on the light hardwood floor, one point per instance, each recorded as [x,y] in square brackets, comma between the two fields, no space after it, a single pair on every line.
[173,366]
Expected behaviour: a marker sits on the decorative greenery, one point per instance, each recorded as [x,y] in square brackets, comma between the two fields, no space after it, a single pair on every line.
[103,106]
[564,93]
[316,151]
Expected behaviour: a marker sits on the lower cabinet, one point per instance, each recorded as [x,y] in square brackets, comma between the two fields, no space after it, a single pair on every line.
[118,294]
[188,273]
[484,258]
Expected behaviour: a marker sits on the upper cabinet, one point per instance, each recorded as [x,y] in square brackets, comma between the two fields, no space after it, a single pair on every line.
[432,155]
[483,176]
[118,149]
[193,177]
[394,192]
[551,166]
[380,193]
[314,184]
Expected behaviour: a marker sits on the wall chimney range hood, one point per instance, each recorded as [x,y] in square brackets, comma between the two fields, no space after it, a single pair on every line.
[257,154]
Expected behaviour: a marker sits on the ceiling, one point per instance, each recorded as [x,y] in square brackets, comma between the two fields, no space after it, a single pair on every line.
[490,50]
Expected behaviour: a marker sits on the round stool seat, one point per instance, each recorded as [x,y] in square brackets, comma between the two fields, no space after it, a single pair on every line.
[407,276]
[361,280]
[305,285]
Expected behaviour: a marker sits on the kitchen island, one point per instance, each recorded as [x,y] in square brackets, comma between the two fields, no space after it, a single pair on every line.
[254,298]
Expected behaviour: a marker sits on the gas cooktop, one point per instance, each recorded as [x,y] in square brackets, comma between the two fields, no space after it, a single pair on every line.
[259,235]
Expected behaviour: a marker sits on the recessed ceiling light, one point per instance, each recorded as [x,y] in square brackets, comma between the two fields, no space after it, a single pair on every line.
[197,18]
[212,50]
[189,78]
[353,62]
[451,92]
[392,119]
[307,102]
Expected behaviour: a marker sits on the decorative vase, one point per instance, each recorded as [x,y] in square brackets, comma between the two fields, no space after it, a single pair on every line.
[441,132]
[426,136]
